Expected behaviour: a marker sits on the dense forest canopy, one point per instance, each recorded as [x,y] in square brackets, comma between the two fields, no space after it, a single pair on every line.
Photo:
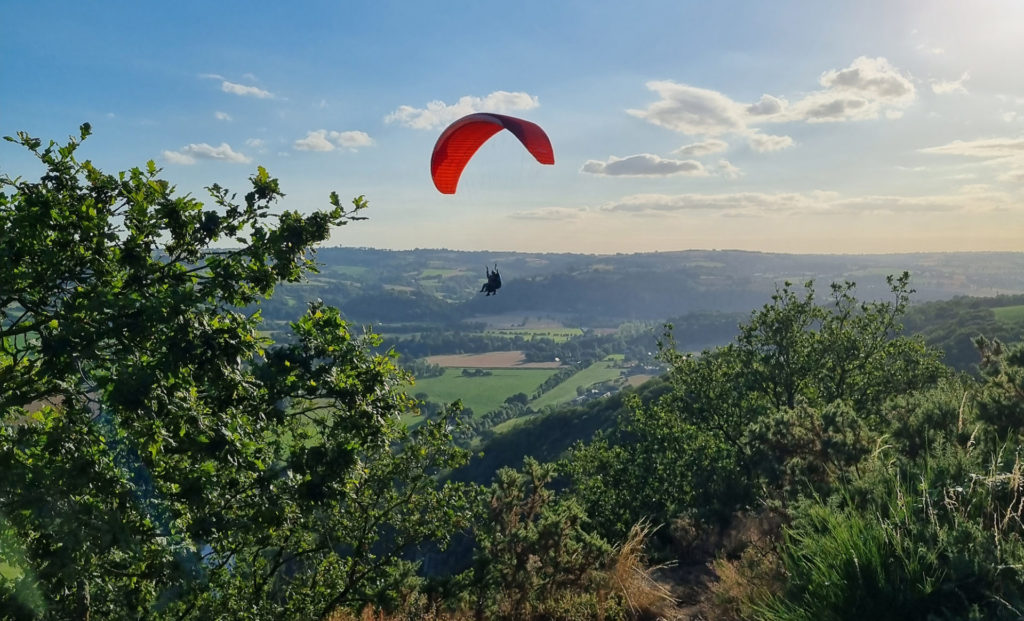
[163,455]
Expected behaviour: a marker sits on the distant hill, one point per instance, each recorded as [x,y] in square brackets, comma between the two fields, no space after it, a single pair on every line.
[440,286]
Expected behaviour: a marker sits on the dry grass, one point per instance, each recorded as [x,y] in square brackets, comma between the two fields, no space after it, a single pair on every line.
[743,583]
[627,587]
[631,579]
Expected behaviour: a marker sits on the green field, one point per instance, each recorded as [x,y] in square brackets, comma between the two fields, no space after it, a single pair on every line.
[355,271]
[512,423]
[566,391]
[1009,314]
[482,394]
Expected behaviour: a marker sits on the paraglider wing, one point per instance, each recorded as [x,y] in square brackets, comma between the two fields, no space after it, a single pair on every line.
[460,140]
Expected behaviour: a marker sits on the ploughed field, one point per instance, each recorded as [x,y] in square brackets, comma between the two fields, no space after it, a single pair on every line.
[491,360]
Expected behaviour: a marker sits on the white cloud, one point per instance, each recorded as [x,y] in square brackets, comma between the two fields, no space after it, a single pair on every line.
[438,114]
[256,143]
[727,170]
[351,139]
[314,141]
[950,86]
[869,76]
[691,110]
[189,154]
[706,147]
[245,91]
[323,140]
[767,106]
[763,143]
[211,76]
[222,116]
[644,165]
[174,157]
[866,89]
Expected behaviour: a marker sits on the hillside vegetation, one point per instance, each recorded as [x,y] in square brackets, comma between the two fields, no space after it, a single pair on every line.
[165,456]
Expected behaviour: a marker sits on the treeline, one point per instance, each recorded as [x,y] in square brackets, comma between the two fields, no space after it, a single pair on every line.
[954,325]
[636,340]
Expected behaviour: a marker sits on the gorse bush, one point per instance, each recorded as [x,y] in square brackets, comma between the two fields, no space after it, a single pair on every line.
[914,550]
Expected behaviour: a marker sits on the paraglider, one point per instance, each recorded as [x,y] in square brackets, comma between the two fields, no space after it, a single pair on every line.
[493,281]
[460,140]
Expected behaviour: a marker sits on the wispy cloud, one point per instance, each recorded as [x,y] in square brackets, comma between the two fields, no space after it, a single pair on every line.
[705,147]
[222,116]
[644,165]
[238,89]
[946,87]
[1005,155]
[985,148]
[970,199]
[324,140]
[930,49]
[438,114]
[727,170]
[245,91]
[202,151]
[551,213]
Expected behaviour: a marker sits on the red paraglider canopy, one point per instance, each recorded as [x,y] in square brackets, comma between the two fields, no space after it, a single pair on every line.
[461,139]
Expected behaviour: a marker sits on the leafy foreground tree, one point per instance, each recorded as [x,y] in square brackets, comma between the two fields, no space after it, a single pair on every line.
[159,458]
[789,407]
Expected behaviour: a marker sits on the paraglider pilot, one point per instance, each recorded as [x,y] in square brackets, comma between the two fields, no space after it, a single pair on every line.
[493,281]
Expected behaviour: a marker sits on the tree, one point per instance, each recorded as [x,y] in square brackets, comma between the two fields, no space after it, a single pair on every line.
[532,550]
[181,463]
[794,402]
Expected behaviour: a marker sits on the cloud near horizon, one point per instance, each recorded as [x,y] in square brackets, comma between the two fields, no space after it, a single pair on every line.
[973,199]
[188,155]
[439,114]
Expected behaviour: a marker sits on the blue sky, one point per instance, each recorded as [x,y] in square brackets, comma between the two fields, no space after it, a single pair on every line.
[779,126]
